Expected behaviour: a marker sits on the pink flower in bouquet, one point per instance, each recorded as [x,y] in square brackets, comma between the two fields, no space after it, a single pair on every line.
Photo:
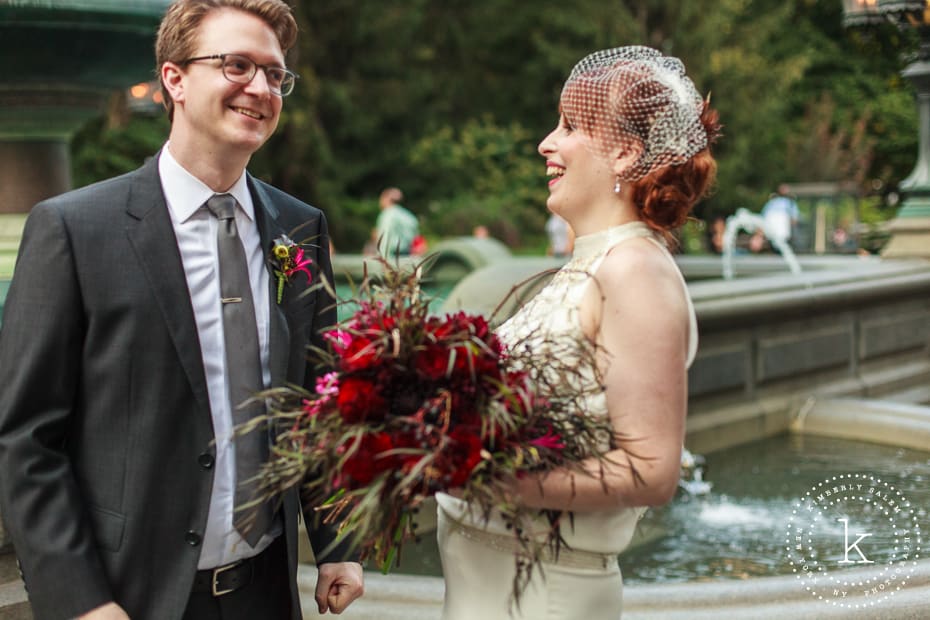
[550,441]
[328,384]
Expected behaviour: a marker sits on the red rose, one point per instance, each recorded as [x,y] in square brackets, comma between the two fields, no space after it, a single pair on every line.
[359,399]
[432,361]
[368,460]
[479,326]
[361,353]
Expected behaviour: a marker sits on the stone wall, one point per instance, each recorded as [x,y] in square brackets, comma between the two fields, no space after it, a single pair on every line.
[769,344]
[770,340]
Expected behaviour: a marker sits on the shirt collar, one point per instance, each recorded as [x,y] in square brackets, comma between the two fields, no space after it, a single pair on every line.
[185,193]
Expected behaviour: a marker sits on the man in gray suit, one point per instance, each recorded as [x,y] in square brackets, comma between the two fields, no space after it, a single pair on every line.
[118,367]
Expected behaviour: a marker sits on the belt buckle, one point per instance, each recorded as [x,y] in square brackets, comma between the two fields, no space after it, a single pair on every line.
[216,573]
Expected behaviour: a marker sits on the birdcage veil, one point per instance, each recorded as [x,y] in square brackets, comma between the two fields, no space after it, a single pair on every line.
[635,98]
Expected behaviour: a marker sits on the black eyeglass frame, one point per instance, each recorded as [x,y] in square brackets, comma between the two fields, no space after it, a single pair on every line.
[287,83]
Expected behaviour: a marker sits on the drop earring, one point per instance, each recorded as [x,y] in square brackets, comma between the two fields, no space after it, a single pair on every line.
[617,186]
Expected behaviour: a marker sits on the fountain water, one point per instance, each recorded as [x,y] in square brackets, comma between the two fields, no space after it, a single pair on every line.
[744,219]
[692,474]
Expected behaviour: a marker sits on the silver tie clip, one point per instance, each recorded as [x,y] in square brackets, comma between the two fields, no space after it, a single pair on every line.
[231,300]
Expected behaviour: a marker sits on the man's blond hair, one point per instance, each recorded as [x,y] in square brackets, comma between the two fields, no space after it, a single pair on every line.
[177,35]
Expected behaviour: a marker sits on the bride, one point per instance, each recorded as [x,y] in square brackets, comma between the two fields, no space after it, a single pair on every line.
[628,160]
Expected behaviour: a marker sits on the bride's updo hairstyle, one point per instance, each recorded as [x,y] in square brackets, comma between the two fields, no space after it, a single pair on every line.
[635,103]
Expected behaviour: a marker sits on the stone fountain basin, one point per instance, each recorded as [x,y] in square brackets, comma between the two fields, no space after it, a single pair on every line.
[420,598]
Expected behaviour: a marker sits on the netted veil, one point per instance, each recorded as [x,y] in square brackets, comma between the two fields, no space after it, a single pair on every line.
[635,98]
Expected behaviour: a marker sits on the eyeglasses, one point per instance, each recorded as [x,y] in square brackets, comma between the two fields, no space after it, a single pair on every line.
[242,69]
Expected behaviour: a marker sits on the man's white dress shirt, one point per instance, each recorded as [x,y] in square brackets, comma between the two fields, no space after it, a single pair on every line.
[196,228]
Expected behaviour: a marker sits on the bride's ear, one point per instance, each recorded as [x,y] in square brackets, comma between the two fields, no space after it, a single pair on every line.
[627,157]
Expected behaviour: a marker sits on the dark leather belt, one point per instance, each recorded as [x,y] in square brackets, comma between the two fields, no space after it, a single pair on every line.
[229,578]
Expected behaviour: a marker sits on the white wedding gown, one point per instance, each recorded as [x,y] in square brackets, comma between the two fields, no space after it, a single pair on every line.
[477,557]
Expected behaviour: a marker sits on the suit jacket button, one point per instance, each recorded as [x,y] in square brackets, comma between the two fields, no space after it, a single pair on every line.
[206,460]
[192,538]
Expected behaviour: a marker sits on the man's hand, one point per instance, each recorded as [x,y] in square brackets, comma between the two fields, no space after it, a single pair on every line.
[337,585]
[110,611]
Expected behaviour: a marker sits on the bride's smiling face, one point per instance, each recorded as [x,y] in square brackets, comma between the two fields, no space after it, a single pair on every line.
[577,178]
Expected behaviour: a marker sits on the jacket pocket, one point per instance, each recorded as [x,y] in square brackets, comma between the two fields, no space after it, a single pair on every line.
[108,528]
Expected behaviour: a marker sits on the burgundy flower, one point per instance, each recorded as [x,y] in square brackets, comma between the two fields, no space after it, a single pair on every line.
[432,362]
[369,459]
[359,399]
[407,461]
[462,454]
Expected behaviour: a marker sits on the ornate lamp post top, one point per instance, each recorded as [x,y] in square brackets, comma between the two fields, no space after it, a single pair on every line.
[905,14]
[911,228]
[861,12]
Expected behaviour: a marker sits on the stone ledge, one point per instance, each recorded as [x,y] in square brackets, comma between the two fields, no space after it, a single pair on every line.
[420,598]
[884,422]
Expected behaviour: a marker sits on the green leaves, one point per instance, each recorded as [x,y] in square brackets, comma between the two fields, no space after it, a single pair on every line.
[448,100]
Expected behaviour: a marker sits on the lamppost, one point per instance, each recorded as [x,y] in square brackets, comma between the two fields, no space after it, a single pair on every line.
[910,230]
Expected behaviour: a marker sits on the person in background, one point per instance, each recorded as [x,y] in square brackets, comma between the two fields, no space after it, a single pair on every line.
[781,214]
[141,315]
[561,237]
[715,233]
[396,228]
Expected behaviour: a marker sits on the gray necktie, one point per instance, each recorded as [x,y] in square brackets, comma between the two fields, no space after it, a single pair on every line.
[243,364]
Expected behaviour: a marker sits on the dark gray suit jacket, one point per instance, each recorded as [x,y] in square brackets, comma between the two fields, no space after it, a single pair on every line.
[105,426]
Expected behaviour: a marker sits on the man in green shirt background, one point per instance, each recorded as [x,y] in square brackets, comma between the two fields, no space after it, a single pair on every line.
[396,227]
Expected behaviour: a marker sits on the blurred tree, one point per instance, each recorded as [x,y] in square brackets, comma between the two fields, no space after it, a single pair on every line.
[833,148]
[447,99]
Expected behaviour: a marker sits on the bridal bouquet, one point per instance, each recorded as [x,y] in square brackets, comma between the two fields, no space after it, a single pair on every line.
[416,404]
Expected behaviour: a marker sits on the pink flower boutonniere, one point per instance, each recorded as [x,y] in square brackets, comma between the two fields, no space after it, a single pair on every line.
[288,260]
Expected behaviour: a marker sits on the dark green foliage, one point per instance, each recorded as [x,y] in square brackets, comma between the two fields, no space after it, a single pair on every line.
[101,150]
[447,99]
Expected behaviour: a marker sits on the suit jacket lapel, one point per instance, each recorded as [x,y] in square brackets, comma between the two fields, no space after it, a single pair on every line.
[266,217]
[152,238]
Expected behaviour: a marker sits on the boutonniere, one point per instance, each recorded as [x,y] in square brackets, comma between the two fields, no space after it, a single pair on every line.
[288,260]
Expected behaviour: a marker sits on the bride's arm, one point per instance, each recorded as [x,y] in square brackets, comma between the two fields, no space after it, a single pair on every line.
[640,314]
